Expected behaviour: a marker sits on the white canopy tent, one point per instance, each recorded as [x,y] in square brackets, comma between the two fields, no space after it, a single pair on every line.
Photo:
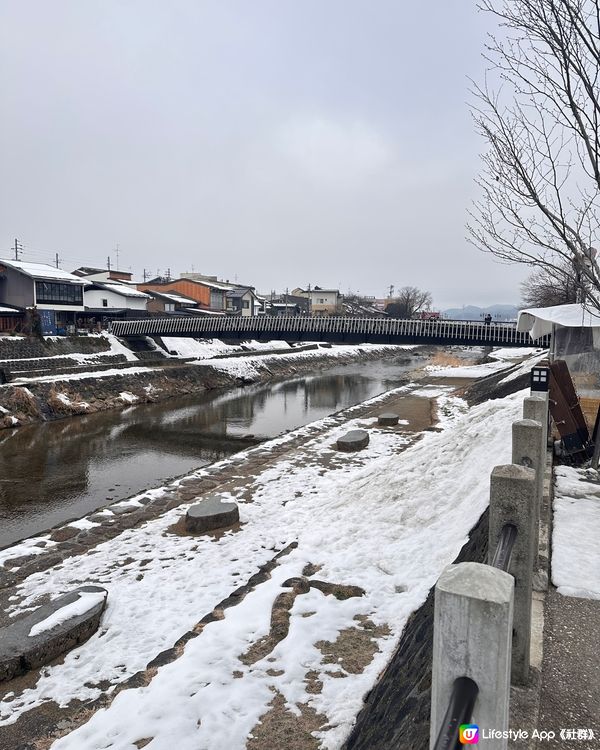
[540,321]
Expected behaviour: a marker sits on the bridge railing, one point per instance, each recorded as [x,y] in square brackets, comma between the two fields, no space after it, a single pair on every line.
[317,327]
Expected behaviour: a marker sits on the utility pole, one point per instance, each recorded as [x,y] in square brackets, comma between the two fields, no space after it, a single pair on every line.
[117,254]
[146,274]
[56,258]
[391,291]
[108,262]
[18,248]
[168,274]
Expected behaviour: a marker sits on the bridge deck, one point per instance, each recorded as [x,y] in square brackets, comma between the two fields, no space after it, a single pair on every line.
[331,329]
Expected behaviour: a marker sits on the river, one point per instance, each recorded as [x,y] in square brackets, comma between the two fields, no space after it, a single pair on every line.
[56,471]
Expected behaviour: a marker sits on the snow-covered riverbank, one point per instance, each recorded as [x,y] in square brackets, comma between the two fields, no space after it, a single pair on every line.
[376,527]
[189,366]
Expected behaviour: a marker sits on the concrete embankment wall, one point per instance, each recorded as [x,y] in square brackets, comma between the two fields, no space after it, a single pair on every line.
[39,400]
[396,711]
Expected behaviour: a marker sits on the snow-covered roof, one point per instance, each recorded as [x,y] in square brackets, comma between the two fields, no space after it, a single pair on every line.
[122,289]
[204,311]
[42,271]
[87,271]
[221,285]
[539,320]
[4,310]
[240,292]
[178,298]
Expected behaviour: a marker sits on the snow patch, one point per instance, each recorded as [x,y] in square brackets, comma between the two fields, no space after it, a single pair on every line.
[128,397]
[86,600]
[466,371]
[83,375]
[26,547]
[575,548]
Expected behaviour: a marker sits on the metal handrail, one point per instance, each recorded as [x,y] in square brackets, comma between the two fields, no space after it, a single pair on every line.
[504,548]
[462,700]
[423,330]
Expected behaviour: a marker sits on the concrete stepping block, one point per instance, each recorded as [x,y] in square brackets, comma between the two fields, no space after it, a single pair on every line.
[355,440]
[120,510]
[388,419]
[210,514]
[51,630]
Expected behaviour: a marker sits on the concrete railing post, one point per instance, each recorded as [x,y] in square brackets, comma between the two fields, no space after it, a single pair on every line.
[527,451]
[536,407]
[472,638]
[512,501]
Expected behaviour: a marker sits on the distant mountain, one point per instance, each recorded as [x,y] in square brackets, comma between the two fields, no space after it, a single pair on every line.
[472,312]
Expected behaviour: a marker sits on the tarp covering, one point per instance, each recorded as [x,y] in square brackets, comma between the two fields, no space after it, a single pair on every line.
[539,320]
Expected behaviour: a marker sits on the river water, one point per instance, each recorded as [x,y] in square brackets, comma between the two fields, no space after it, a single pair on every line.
[56,471]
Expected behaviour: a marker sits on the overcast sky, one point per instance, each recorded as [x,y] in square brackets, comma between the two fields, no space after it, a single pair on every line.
[276,142]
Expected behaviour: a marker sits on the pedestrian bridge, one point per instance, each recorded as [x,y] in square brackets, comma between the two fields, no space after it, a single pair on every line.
[338,330]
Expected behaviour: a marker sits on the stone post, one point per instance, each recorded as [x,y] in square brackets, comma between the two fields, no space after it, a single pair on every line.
[536,407]
[512,501]
[472,638]
[527,451]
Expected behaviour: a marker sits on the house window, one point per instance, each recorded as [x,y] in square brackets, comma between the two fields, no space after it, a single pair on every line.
[321,301]
[55,293]
[169,306]
[246,304]
[104,303]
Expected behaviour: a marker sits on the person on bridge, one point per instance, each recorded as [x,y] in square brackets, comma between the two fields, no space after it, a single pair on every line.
[488,320]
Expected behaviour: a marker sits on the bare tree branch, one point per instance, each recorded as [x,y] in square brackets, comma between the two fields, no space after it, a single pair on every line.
[540,183]
[408,303]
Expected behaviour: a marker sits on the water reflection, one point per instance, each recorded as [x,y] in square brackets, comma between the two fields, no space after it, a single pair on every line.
[60,470]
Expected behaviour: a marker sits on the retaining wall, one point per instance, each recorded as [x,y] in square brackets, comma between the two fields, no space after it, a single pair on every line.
[31,347]
[38,401]
[397,710]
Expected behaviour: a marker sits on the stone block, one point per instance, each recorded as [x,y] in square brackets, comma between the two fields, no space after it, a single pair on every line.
[355,440]
[210,514]
[21,652]
[388,419]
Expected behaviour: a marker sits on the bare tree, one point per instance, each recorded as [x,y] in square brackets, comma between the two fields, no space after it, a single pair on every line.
[539,111]
[408,303]
[545,287]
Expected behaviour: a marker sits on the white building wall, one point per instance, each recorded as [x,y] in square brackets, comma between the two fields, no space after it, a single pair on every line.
[94,297]
[323,298]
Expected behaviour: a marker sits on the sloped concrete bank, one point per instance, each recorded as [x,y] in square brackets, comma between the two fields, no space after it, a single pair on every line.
[56,398]
[396,712]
